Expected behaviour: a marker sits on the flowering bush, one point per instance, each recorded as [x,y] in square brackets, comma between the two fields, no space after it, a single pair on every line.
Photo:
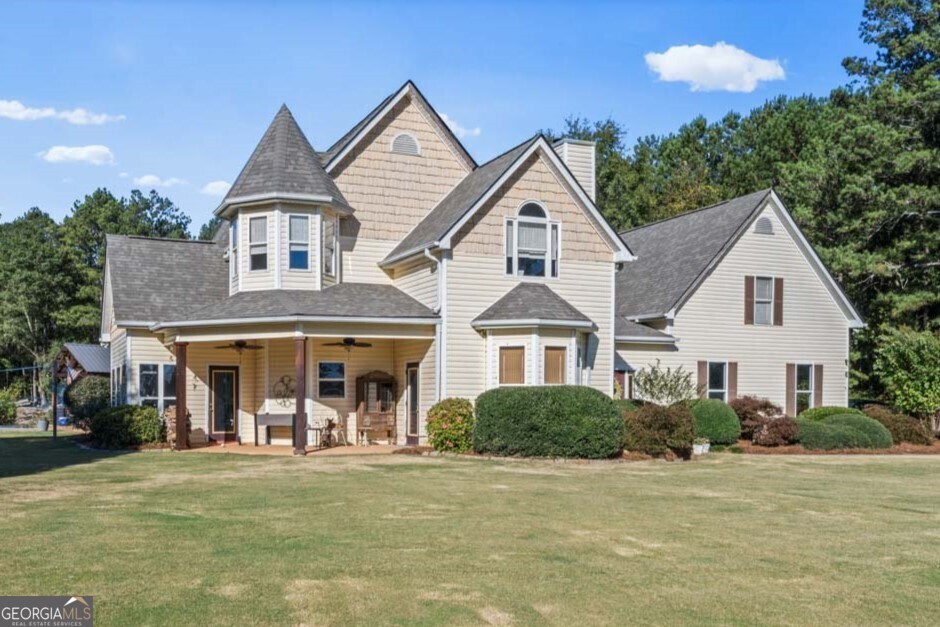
[450,425]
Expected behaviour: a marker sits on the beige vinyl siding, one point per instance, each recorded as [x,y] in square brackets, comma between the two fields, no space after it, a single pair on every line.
[259,279]
[476,277]
[361,259]
[418,279]
[118,347]
[299,279]
[199,358]
[392,192]
[710,326]
[580,159]
[422,353]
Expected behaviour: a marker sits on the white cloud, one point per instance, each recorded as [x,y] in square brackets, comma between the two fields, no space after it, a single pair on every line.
[16,110]
[458,130]
[94,154]
[721,67]
[152,180]
[123,175]
[216,188]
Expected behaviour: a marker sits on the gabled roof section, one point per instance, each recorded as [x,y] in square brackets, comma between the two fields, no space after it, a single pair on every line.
[341,301]
[634,332]
[283,165]
[335,154]
[155,279]
[476,188]
[93,358]
[531,304]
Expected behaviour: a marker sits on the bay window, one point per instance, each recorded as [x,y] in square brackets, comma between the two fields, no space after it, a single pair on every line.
[298,242]
[329,246]
[258,243]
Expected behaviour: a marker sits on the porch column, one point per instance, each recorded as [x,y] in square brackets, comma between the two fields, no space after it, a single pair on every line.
[300,416]
[182,435]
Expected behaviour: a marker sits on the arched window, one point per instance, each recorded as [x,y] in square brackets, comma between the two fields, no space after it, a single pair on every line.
[532,243]
[406,144]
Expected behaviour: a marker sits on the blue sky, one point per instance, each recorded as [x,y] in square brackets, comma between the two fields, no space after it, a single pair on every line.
[187,88]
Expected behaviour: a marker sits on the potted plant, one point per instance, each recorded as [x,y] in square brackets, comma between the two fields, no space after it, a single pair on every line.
[43,422]
[698,446]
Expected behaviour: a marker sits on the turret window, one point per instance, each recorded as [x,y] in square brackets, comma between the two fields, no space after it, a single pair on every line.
[258,244]
[299,242]
[329,246]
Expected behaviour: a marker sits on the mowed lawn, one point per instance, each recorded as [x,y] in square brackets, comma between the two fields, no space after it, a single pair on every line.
[213,539]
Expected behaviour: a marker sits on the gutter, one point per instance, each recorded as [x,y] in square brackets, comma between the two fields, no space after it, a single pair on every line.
[182,324]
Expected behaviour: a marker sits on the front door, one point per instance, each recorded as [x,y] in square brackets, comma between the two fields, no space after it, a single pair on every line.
[223,402]
[411,402]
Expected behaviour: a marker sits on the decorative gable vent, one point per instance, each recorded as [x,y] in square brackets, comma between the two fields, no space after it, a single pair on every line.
[764,226]
[406,144]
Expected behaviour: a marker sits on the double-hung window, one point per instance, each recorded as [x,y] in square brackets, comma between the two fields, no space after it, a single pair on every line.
[718,380]
[233,237]
[157,386]
[258,243]
[299,242]
[329,246]
[532,243]
[331,379]
[763,300]
[804,387]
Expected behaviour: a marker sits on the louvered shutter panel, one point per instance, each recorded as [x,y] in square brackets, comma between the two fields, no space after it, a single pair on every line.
[732,380]
[778,302]
[791,390]
[702,379]
[818,385]
[748,300]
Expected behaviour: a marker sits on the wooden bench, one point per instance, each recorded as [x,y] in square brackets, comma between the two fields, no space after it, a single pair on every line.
[273,420]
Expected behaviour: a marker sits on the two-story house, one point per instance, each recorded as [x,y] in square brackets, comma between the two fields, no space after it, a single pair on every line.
[392,270]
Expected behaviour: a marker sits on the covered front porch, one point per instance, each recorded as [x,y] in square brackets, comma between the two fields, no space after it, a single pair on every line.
[372,383]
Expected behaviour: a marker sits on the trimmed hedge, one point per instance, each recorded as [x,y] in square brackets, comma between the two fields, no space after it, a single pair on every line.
[88,396]
[656,430]
[821,413]
[547,421]
[128,425]
[715,420]
[903,428]
[775,432]
[753,412]
[876,432]
[847,430]
[450,425]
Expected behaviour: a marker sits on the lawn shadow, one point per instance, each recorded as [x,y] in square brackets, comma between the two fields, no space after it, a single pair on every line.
[32,454]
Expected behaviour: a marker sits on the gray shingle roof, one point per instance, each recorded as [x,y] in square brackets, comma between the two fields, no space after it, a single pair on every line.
[284,162]
[460,199]
[531,301]
[327,155]
[628,328]
[157,279]
[345,300]
[672,254]
[93,358]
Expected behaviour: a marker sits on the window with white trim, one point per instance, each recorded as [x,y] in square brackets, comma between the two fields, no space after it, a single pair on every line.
[258,244]
[331,379]
[763,300]
[298,242]
[512,365]
[329,246]
[233,238]
[156,386]
[718,380]
[532,243]
[804,387]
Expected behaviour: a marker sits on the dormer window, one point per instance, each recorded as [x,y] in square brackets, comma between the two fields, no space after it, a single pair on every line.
[329,246]
[406,144]
[258,244]
[532,243]
[299,242]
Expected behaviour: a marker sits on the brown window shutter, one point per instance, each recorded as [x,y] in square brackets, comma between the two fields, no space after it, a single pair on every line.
[732,380]
[778,302]
[748,300]
[555,357]
[791,390]
[817,385]
[702,379]
[512,365]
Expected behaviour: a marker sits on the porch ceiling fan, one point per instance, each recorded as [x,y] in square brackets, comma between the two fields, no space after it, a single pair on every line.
[240,345]
[349,342]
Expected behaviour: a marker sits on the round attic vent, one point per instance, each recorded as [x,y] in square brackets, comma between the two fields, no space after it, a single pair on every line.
[406,144]
[764,226]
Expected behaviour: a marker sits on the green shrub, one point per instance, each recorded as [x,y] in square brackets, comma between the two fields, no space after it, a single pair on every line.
[753,412]
[908,364]
[903,428]
[816,435]
[450,425]
[657,430]
[129,425]
[629,404]
[775,432]
[88,396]
[664,386]
[547,421]
[876,432]
[821,413]
[7,407]
[715,420]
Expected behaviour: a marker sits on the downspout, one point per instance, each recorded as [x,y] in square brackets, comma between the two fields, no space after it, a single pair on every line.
[438,357]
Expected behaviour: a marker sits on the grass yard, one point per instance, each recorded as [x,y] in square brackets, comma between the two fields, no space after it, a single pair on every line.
[164,538]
